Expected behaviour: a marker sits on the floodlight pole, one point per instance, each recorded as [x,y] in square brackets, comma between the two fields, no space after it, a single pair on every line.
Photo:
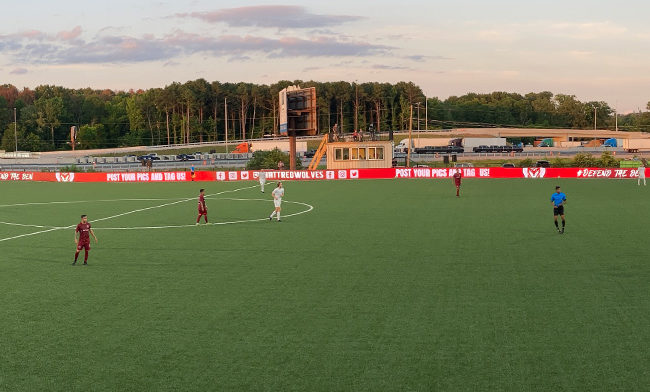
[595,117]
[408,154]
[225,111]
[426,114]
[356,106]
[15,133]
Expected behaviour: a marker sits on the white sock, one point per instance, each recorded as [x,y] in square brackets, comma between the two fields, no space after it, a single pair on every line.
[272,214]
[262,185]
[278,215]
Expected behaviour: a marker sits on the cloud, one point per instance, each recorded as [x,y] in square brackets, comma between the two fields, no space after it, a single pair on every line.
[311,69]
[421,58]
[389,67]
[576,31]
[587,31]
[70,35]
[126,49]
[274,16]
[19,71]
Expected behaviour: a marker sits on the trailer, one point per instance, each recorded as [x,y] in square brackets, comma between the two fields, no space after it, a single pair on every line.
[636,145]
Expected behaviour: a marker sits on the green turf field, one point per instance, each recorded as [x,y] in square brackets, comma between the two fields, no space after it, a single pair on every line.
[384,286]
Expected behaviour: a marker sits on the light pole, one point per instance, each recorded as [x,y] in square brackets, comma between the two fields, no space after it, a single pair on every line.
[225,114]
[15,133]
[426,114]
[356,105]
[595,117]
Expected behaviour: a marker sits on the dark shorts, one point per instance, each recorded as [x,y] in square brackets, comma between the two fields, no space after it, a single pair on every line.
[558,210]
[83,245]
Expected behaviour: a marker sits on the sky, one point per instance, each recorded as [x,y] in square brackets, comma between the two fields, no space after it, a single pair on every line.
[596,50]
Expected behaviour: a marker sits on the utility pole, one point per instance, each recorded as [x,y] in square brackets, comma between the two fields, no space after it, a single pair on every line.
[595,118]
[15,134]
[426,114]
[356,106]
[408,155]
[225,111]
[616,120]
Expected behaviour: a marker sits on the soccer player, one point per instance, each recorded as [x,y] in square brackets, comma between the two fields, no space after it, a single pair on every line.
[642,172]
[262,177]
[277,193]
[558,200]
[203,209]
[192,174]
[83,242]
[457,176]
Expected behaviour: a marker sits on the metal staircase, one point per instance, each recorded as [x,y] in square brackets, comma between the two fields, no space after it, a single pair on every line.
[322,148]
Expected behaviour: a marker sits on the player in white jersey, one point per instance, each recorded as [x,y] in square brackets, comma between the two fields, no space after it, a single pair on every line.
[277,193]
[262,177]
[642,172]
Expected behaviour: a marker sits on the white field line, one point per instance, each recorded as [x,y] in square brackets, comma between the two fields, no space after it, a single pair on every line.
[309,209]
[25,225]
[45,203]
[30,234]
[119,215]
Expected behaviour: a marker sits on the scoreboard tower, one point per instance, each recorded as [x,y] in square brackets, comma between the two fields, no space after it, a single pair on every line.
[297,116]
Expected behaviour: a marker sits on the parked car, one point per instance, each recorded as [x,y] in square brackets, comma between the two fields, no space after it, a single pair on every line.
[508,165]
[543,164]
[494,149]
[310,153]
[439,150]
[463,164]
[185,157]
[148,157]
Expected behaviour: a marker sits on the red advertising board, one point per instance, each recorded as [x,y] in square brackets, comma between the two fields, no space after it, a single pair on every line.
[316,175]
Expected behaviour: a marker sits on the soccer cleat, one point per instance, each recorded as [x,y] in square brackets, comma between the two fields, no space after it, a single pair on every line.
[85,263]
[270,218]
[562,232]
[279,220]
[197,223]
[74,263]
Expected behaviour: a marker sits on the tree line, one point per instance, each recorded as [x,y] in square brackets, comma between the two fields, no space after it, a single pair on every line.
[202,111]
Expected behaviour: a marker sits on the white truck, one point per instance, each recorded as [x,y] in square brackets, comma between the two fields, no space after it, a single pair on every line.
[416,142]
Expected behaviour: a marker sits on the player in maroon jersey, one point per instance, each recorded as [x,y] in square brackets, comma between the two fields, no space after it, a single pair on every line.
[203,210]
[457,176]
[83,241]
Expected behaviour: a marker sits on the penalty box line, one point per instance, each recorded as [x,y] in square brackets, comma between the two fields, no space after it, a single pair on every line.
[122,214]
